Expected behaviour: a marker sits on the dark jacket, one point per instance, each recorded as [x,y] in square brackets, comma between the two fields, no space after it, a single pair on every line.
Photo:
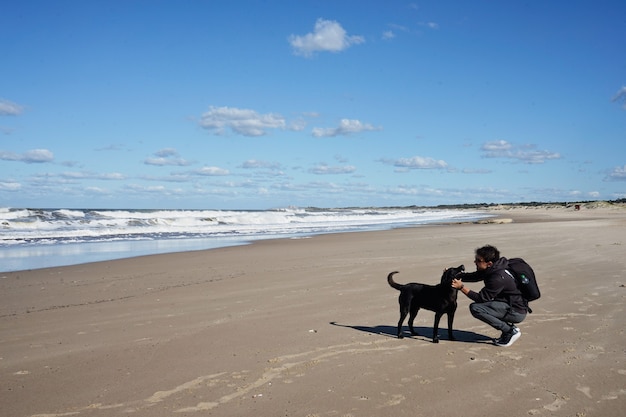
[499,286]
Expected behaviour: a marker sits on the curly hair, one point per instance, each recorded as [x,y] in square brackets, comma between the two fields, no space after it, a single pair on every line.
[488,253]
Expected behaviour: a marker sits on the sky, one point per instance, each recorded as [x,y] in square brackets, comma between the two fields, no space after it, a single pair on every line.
[241,104]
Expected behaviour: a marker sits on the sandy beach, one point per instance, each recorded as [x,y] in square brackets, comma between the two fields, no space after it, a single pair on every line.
[306,327]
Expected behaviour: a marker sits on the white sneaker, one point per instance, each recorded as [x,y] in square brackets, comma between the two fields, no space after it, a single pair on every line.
[507,339]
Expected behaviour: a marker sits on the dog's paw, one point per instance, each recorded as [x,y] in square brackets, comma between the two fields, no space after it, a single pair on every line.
[400,336]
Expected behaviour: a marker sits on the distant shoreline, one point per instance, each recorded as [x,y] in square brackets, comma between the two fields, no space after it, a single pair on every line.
[38,238]
[50,255]
[621,203]
[67,255]
[618,203]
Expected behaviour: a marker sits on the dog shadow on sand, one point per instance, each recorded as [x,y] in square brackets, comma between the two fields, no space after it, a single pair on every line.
[424,333]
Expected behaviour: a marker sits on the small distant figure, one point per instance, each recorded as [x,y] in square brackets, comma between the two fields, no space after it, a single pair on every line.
[577,207]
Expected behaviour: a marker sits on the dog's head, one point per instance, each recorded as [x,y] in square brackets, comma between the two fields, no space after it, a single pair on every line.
[451,273]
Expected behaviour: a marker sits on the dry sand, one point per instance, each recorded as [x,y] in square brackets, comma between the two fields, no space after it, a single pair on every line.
[306,328]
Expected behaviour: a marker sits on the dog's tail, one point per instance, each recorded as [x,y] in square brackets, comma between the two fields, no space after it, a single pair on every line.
[392,282]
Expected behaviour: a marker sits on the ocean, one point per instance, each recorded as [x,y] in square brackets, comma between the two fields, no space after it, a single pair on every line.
[41,238]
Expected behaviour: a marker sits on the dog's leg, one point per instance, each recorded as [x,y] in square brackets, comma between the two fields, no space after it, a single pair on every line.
[411,319]
[404,301]
[403,313]
[450,321]
[436,327]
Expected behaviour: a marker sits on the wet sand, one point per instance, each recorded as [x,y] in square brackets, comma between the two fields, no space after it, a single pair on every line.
[306,327]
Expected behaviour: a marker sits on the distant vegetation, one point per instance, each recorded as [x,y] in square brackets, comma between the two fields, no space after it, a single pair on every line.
[477,206]
[589,204]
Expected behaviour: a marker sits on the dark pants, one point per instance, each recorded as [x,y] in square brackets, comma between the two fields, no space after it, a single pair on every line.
[497,314]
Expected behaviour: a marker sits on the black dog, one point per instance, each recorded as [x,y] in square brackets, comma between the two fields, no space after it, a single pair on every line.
[440,298]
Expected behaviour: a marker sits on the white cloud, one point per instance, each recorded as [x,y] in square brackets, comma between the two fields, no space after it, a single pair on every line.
[496,147]
[297,125]
[166,161]
[37,156]
[419,162]
[323,169]
[256,164]
[476,171]
[617,174]
[10,186]
[328,35]
[430,25]
[173,177]
[526,154]
[160,189]
[76,175]
[388,34]
[166,152]
[242,121]
[8,108]
[114,176]
[536,157]
[212,171]
[97,190]
[346,127]
[32,156]
[167,157]
[620,96]
[399,28]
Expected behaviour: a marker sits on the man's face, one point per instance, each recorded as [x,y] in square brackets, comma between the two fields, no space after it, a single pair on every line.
[481,265]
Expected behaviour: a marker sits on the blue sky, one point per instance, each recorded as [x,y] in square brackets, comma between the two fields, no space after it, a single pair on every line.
[265,104]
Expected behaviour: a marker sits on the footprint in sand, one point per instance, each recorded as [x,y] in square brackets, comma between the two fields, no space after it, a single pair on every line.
[396,399]
[585,390]
[558,403]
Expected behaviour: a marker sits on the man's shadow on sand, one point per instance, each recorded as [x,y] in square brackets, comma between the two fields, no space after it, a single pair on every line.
[424,333]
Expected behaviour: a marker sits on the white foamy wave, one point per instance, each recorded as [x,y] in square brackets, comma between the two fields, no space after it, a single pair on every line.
[23,232]
[29,226]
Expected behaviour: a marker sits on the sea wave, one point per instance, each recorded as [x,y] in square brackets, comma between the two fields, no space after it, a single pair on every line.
[49,226]
[42,237]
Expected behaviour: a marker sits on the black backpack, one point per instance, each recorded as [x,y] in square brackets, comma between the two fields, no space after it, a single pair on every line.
[525,279]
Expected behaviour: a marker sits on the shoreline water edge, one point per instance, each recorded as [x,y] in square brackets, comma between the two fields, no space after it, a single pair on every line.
[41,238]
[44,238]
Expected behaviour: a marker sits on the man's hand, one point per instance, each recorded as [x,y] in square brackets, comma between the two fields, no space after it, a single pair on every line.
[457,284]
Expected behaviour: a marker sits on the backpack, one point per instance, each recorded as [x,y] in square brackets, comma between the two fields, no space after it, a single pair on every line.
[525,279]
